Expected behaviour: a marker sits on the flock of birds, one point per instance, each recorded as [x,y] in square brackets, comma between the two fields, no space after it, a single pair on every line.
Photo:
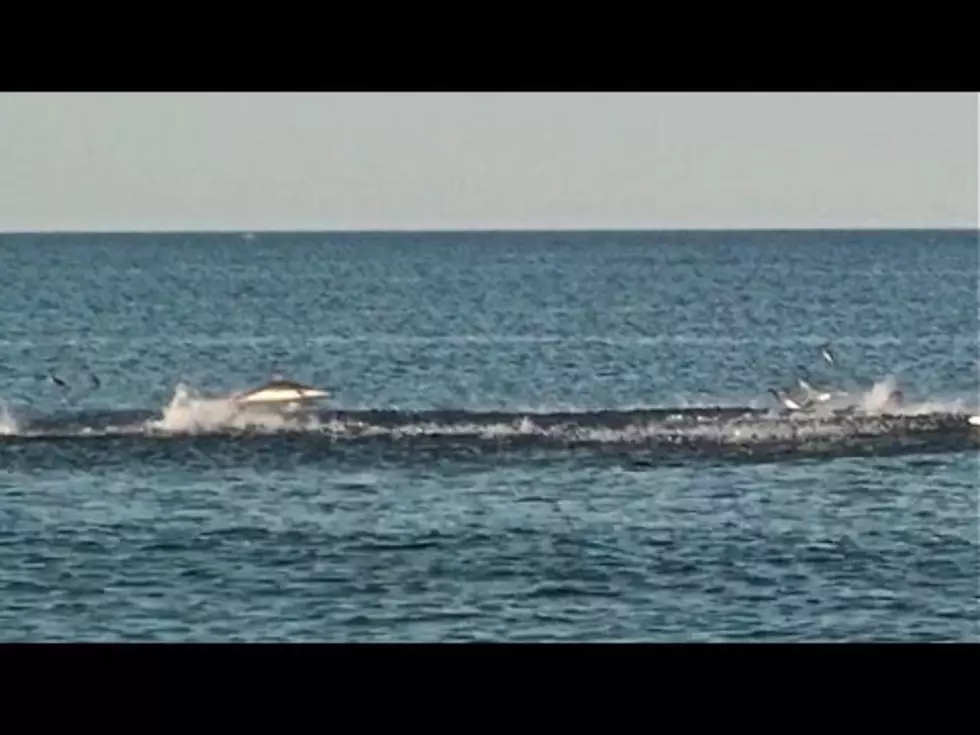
[810,397]
[806,399]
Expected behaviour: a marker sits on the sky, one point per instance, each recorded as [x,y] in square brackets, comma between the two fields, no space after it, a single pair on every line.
[436,161]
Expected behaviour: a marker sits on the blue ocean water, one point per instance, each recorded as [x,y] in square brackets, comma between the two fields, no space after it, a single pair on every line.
[532,436]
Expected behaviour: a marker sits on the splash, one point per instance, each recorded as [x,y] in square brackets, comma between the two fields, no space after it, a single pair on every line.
[871,423]
[190,412]
[8,423]
[880,397]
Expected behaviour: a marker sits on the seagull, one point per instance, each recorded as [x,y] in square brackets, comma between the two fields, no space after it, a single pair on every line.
[815,395]
[819,395]
[790,403]
[827,355]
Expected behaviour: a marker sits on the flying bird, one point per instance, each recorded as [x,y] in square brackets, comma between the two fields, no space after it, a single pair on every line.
[827,354]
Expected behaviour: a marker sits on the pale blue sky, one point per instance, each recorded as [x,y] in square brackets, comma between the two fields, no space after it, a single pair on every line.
[446,161]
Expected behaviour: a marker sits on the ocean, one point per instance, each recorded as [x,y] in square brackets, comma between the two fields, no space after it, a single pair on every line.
[531,436]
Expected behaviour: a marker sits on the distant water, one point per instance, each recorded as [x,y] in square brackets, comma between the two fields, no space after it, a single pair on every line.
[533,436]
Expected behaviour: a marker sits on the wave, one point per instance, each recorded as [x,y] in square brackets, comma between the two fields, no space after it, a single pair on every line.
[869,426]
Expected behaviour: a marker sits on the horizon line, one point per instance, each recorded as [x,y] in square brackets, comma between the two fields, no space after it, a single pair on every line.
[488,230]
